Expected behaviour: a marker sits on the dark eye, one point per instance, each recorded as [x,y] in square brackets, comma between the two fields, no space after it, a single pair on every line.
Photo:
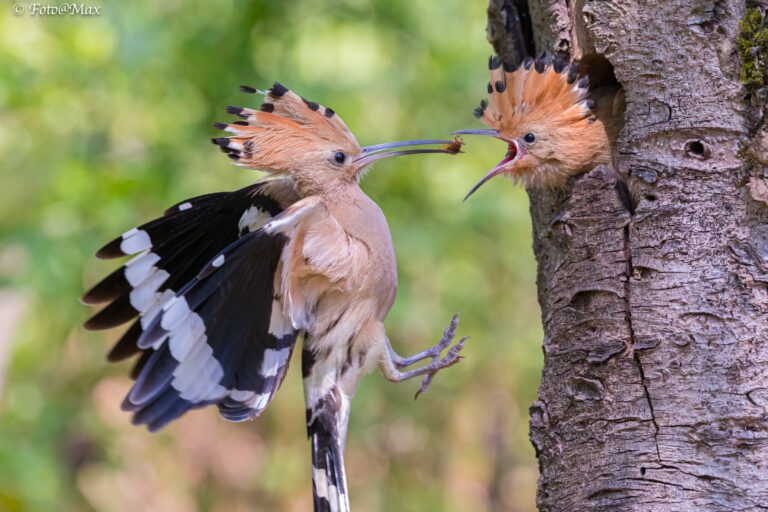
[529,137]
[339,157]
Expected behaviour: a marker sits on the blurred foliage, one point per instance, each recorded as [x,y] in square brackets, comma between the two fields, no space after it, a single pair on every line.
[753,47]
[105,120]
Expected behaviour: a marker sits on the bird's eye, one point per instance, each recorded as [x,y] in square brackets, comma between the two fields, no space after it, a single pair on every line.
[339,157]
[529,137]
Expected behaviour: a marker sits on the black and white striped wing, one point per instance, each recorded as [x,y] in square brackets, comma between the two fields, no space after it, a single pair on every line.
[223,339]
[172,250]
[169,253]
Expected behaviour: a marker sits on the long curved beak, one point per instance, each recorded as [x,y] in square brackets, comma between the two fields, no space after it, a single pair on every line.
[514,152]
[498,169]
[490,133]
[376,152]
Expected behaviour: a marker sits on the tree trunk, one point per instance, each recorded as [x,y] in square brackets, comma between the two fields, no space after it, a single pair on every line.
[654,392]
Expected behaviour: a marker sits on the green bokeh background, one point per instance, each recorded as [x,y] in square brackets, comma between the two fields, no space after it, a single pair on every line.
[105,121]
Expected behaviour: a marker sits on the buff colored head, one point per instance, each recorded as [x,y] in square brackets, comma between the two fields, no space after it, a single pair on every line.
[543,112]
[294,137]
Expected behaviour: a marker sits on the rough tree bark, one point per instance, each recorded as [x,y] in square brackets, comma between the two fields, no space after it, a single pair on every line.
[654,392]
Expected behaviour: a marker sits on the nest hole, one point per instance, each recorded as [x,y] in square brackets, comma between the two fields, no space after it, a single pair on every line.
[699,149]
[599,69]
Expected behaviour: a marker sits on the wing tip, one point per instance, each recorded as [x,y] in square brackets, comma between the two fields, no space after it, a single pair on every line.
[86,299]
[115,314]
[99,323]
[126,346]
[111,250]
[116,355]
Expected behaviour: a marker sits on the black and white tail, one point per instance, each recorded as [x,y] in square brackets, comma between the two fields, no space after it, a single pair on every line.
[327,418]
[207,315]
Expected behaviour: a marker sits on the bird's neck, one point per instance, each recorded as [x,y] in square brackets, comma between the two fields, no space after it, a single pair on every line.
[318,184]
[343,192]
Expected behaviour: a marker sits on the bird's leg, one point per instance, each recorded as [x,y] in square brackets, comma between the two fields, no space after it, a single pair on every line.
[390,365]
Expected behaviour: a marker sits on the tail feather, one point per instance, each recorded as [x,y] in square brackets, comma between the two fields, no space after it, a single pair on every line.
[327,418]
[329,482]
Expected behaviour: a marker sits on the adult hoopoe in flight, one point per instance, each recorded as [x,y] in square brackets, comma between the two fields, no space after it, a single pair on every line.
[554,126]
[223,284]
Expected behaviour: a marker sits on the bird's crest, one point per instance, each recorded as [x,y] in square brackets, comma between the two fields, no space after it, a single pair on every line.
[550,120]
[544,90]
[284,126]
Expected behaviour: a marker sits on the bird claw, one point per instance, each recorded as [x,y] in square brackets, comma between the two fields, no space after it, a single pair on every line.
[451,357]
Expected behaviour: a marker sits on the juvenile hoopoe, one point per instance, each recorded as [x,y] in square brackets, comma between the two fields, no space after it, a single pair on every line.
[223,284]
[554,126]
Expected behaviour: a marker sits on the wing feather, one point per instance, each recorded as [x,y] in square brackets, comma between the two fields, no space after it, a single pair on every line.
[202,289]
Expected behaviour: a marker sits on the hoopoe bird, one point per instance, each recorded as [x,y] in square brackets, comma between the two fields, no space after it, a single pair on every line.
[553,125]
[222,285]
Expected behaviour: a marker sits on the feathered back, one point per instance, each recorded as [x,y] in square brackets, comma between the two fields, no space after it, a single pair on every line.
[285,131]
[544,90]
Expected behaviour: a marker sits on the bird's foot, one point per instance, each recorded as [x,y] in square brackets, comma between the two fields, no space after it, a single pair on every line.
[432,352]
[395,362]
[450,359]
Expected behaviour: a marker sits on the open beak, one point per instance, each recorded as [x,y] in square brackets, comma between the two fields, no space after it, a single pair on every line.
[371,154]
[514,152]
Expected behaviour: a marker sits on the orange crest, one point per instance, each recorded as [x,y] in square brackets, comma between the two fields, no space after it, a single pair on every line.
[284,129]
[544,91]
[549,119]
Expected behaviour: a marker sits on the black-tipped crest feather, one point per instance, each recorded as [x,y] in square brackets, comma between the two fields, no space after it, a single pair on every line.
[278,90]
